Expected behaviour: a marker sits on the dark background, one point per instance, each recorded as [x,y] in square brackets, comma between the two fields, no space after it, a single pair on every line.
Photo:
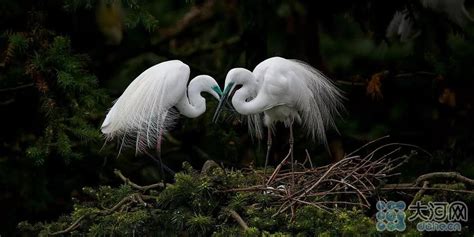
[64,62]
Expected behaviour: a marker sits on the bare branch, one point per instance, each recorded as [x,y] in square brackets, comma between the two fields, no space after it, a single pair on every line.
[16,87]
[446,175]
[238,218]
[350,181]
[142,188]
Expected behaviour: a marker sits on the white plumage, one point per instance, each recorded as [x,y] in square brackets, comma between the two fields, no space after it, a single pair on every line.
[287,91]
[147,108]
[403,22]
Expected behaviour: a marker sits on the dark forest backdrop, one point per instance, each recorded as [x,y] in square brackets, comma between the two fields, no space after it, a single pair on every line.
[62,63]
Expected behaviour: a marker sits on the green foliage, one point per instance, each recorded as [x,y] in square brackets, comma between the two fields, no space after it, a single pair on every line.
[313,221]
[70,100]
[137,13]
[199,205]
[196,205]
[136,17]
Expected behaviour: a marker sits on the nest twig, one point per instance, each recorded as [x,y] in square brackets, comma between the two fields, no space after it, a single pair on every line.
[348,182]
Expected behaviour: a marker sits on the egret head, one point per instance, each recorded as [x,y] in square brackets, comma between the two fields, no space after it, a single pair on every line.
[206,84]
[235,77]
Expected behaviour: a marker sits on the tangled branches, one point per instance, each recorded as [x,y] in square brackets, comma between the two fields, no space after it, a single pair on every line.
[348,182]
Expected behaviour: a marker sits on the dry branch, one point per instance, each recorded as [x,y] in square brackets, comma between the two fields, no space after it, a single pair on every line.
[348,182]
[239,219]
[417,188]
[446,175]
[134,185]
[16,87]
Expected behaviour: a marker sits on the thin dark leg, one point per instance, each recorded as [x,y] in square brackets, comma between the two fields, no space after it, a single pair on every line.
[158,156]
[269,146]
[291,141]
[162,173]
[290,190]
[166,168]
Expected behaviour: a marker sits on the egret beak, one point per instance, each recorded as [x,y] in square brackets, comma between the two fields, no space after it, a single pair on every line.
[222,101]
[218,91]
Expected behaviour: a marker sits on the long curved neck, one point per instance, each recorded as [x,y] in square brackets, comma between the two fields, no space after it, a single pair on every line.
[192,104]
[246,100]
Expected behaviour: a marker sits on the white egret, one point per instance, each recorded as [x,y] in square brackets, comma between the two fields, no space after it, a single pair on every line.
[146,109]
[284,90]
[405,24]
[402,26]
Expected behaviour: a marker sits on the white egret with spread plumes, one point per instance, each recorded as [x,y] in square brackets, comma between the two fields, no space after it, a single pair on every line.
[152,102]
[285,91]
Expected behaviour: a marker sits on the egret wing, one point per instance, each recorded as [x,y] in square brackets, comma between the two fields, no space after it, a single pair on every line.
[143,113]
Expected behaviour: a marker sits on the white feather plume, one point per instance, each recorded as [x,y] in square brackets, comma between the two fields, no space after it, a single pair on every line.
[316,100]
[324,103]
[255,125]
[144,112]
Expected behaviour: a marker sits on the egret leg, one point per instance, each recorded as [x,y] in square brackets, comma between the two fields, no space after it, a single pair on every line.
[269,146]
[158,156]
[291,142]
[166,168]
